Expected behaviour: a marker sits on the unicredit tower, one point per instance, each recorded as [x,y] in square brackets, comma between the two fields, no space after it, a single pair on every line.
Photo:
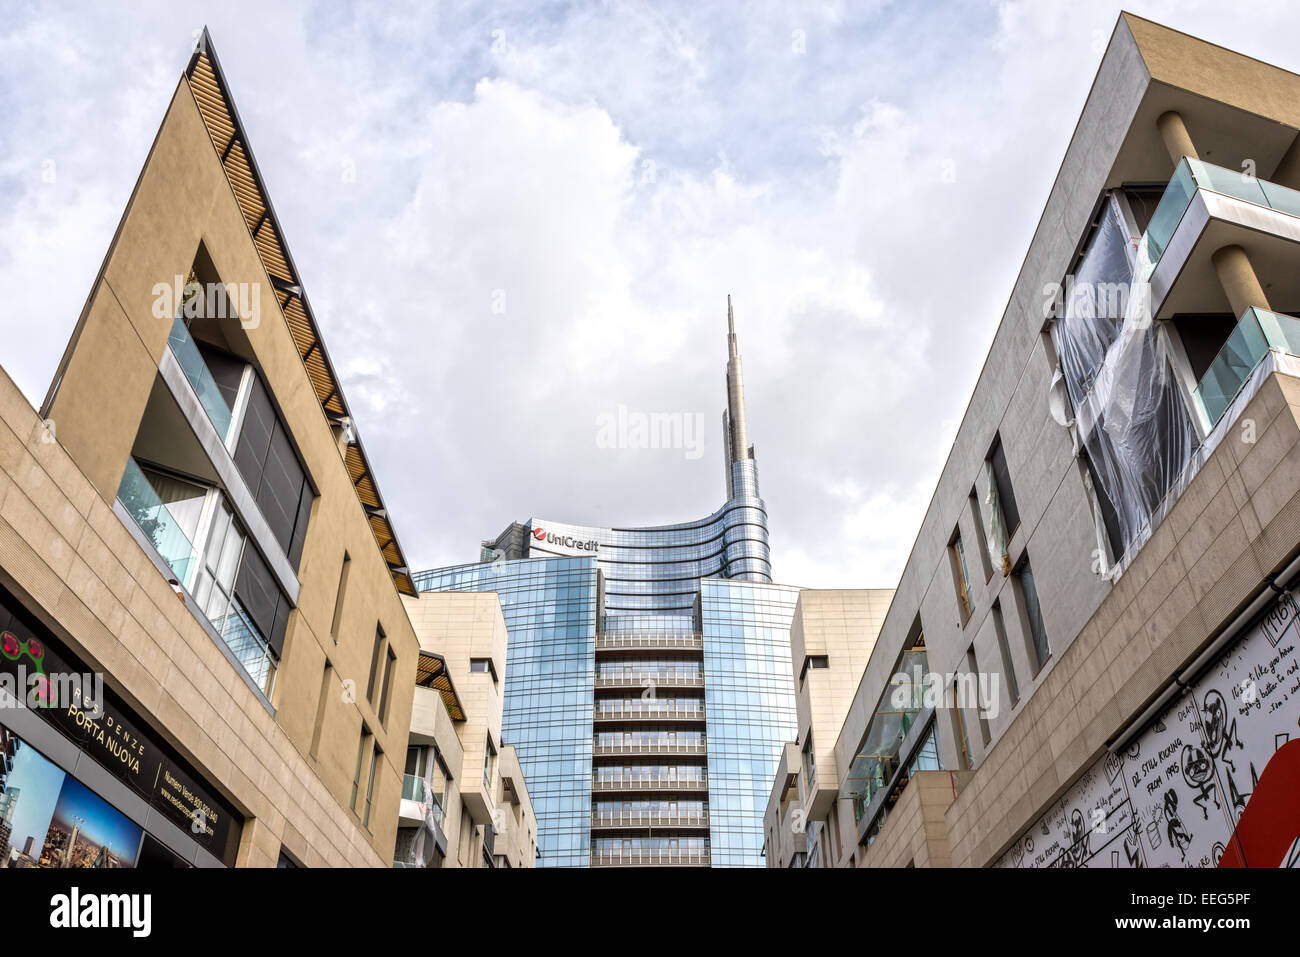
[658,570]
[648,687]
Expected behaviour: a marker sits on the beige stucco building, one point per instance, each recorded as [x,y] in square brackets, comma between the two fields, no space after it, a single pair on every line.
[192,516]
[1106,573]
[464,802]
[831,637]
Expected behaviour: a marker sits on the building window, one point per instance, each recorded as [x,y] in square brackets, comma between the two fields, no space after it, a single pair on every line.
[1004,515]
[489,763]
[978,685]
[809,761]
[483,666]
[322,700]
[194,530]
[362,746]
[813,661]
[375,755]
[1004,649]
[958,555]
[338,597]
[269,464]
[977,522]
[963,736]
[388,678]
[376,656]
[1032,615]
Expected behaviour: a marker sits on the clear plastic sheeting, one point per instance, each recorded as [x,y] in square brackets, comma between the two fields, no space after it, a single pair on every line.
[997,526]
[1129,414]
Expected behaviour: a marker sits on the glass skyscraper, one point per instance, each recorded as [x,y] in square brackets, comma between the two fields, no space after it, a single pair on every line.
[648,685]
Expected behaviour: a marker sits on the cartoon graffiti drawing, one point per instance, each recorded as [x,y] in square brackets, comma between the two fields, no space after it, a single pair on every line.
[1198,772]
[1133,843]
[1078,839]
[1179,836]
[1221,738]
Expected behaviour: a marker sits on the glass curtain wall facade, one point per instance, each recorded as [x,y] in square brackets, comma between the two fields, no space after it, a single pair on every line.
[750,701]
[681,636]
[550,613]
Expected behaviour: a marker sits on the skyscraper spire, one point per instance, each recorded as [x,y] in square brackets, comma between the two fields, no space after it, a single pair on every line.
[737,436]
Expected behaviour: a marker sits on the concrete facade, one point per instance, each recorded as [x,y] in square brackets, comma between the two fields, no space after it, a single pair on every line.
[1120,625]
[282,747]
[479,784]
[831,639]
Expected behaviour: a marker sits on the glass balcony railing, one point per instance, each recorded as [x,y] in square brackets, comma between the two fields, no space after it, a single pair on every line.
[196,370]
[1258,332]
[413,788]
[139,498]
[1192,175]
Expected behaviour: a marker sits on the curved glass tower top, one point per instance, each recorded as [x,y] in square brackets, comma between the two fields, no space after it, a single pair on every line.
[658,569]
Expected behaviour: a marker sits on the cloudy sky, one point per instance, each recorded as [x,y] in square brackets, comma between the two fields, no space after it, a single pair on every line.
[514,218]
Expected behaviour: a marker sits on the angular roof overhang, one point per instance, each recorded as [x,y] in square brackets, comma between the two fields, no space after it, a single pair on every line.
[211,92]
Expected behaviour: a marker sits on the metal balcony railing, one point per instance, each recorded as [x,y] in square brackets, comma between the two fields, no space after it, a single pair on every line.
[621,642]
[650,710]
[648,747]
[649,679]
[649,819]
[656,783]
[637,858]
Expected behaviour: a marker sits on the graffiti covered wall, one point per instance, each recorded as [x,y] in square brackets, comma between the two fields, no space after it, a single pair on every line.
[1212,782]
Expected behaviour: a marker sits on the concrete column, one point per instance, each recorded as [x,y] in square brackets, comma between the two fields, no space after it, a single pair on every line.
[1238,279]
[1177,140]
[1288,170]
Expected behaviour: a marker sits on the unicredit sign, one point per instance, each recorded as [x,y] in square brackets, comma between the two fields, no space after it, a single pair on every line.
[564,541]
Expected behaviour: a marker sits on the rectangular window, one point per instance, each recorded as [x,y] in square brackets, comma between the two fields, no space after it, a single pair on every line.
[963,736]
[362,746]
[813,661]
[483,666]
[1032,615]
[489,763]
[266,459]
[376,656]
[388,678]
[981,705]
[338,597]
[1001,481]
[322,700]
[986,562]
[375,756]
[960,577]
[1004,649]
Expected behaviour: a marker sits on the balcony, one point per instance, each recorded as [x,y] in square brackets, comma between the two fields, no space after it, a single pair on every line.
[664,642]
[649,679]
[660,709]
[635,820]
[1258,333]
[144,504]
[1203,209]
[196,370]
[650,858]
[637,748]
[666,782]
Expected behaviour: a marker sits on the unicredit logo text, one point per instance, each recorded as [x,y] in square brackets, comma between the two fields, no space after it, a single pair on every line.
[566,541]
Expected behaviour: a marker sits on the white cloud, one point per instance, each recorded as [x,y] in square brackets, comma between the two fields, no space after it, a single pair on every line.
[612,171]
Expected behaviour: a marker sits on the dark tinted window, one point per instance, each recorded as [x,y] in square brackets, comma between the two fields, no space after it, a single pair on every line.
[261,597]
[266,459]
